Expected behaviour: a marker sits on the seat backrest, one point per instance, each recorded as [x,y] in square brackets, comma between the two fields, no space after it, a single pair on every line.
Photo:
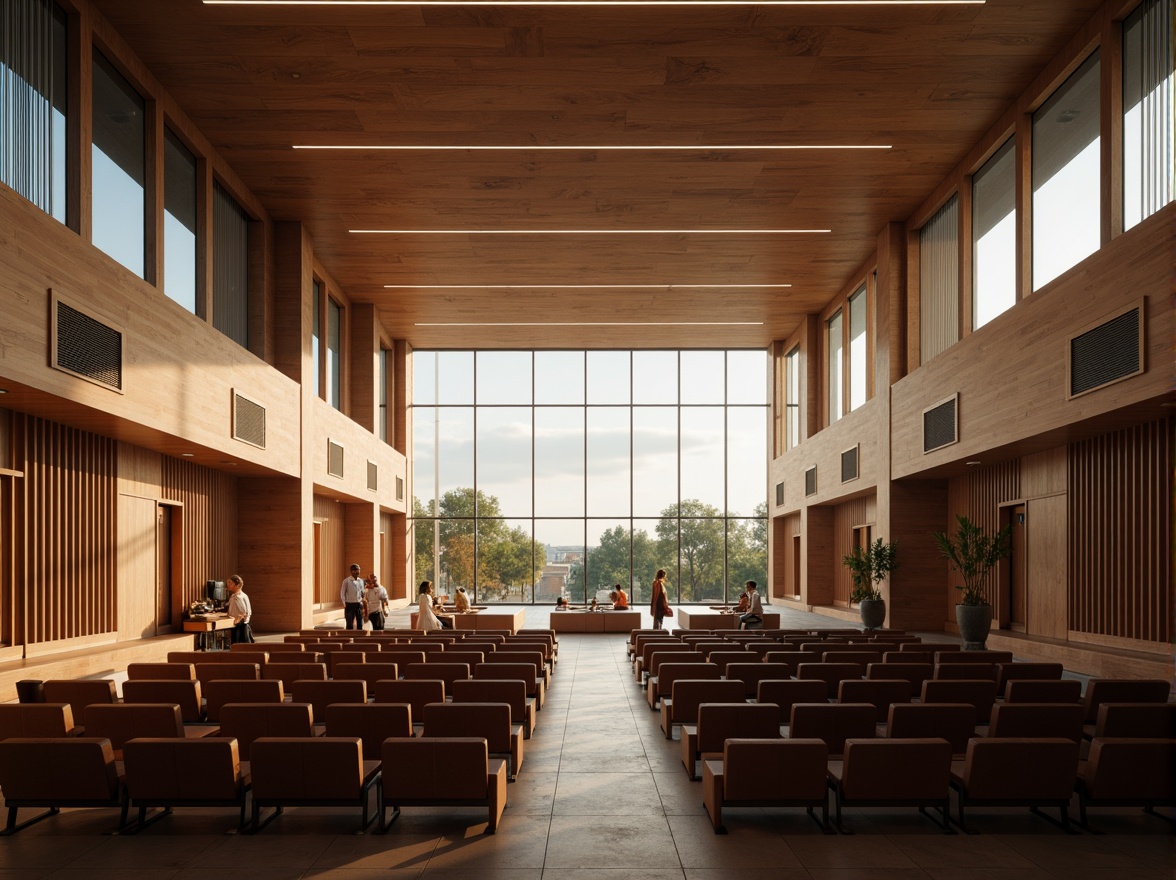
[931,647]
[206,672]
[402,655]
[291,657]
[831,673]
[853,655]
[187,694]
[64,771]
[218,693]
[718,722]
[288,673]
[247,721]
[371,722]
[725,656]
[473,658]
[687,694]
[965,670]
[1030,690]
[447,672]
[36,719]
[791,659]
[307,768]
[490,721]
[915,673]
[80,692]
[751,674]
[509,691]
[893,656]
[1137,720]
[981,694]
[881,693]
[647,647]
[1128,770]
[335,658]
[441,768]
[369,672]
[668,673]
[657,658]
[896,769]
[524,672]
[119,722]
[417,693]
[321,694]
[973,657]
[1007,672]
[1028,720]
[774,769]
[1109,690]
[786,691]
[832,722]
[954,722]
[205,768]
[1021,768]
[158,671]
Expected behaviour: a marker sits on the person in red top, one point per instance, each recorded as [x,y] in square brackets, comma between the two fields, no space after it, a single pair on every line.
[659,604]
[620,599]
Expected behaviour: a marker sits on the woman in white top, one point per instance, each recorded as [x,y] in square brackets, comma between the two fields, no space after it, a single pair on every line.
[426,619]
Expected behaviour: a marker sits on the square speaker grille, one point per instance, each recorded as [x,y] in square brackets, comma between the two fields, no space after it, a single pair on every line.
[810,481]
[334,459]
[849,465]
[939,425]
[1108,352]
[88,348]
[248,421]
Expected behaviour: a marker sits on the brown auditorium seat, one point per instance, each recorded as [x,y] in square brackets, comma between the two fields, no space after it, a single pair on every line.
[369,672]
[831,673]
[157,671]
[59,772]
[833,722]
[1007,672]
[1122,772]
[954,722]
[336,658]
[751,674]
[321,694]
[246,722]
[893,773]
[490,721]
[400,657]
[1028,720]
[980,693]
[973,657]
[791,659]
[371,722]
[510,691]
[416,693]
[1030,690]
[718,722]
[172,773]
[1114,690]
[447,672]
[321,771]
[1015,771]
[881,693]
[524,672]
[661,684]
[956,671]
[219,693]
[206,672]
[27,720]
[1135,720]
[80,693]
[291,657]
[188,695]
[785,692]
[767,773]
[119,722]
[686,695]
[288,673]
[444,772]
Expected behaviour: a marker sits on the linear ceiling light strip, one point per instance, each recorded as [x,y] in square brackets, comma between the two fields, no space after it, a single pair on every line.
[635,148]
[597,324]
[583,286]
[589,231]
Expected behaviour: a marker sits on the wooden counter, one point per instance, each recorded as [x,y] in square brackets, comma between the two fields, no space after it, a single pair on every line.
[595,621]
[687,618]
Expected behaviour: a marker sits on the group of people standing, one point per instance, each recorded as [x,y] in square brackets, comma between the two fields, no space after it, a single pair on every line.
[363,600]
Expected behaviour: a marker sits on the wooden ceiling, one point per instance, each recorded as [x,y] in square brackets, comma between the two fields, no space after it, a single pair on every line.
[927,80]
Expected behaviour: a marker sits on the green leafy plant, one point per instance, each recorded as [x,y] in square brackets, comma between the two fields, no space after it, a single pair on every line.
[870,565]
[973,554]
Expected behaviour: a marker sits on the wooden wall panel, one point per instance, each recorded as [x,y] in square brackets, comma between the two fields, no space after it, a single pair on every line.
[140,471]
[1044,473]
[209,523]
[858,512]
[333,560]
[70,516]
[817,566]
[136,567]
[987,489]
[1119,511]
[361,536]
[275,545]
[1046,570]
[915,595]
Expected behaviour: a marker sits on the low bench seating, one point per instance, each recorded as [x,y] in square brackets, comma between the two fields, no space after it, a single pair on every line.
[321,694]
[157,671]
[319,771]
[368,672]
[1121,772]
[954,722]
[718,722]
[751,674]
[36,720]
[169,772]
[80,693]
[661,683]
[524,672]
[1107,690]
[1035,690]
[893,773]
[1035,720]
[980,693]
[686,695]
[510,691]
[880,693]
[833,723]
[206,672]
[1015,771]
[488,721]
[288,673]
[371,722]
[247,722]
[59,772]
[767,773]
[1134,720]
[218,693]
[185,694]
[120,722]
[442,772]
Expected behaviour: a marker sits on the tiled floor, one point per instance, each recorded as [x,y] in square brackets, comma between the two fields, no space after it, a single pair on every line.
[602,796]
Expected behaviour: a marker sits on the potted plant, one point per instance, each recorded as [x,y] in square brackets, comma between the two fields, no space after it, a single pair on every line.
[973,554]
[870,565]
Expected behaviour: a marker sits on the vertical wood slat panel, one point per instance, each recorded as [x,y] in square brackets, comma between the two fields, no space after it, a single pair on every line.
[1119,552]
[209,518]
[332,566]
[845,516]
[69,500]
[978,496]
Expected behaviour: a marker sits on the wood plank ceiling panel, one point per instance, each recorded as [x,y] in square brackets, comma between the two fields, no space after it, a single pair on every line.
[928,80]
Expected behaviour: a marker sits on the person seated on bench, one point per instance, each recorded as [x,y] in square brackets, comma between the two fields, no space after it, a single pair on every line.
[620,599]
[755,608]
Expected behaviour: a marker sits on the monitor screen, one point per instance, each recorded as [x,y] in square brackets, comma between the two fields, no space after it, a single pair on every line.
[216,591]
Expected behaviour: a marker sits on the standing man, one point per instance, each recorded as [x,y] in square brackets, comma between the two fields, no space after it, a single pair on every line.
[240,610]
[375,602]
[754,608]
[351,594]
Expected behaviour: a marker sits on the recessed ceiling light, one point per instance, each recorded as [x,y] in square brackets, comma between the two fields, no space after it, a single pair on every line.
[583,286]
[633,148]
[973,463]
[595,324]
[229,463]
[187,454]
[3,390]
[589,231]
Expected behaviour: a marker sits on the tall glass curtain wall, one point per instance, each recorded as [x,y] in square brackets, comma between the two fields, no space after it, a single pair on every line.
[33,100]
[549,473]
[230,267]
[120,168]
[179,221]
[1148,157]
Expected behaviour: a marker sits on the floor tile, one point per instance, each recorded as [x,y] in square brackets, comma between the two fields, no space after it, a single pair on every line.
[610,844]
[839,851]
[606,794]
[520,842]
[752,843]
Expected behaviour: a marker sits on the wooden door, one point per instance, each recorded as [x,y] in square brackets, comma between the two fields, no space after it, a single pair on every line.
[1046,567]
[163,568]
[1016,569]
[137,567]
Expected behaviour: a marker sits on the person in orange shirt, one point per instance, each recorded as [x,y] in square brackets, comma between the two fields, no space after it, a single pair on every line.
[620,599]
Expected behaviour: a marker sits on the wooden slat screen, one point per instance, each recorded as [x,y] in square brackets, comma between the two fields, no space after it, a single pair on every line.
[1120,546]
[209,500]
[939,282]
[332,565]
[986,489]
[70,513]
[859,511]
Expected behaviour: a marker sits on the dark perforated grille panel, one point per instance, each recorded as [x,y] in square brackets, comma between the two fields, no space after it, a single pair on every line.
[939,425]
[810,481]
[849,465]
[779,494]
[248,421]
[400,488]
[88,347]
[373,476]
[334,459]
[1106,353]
